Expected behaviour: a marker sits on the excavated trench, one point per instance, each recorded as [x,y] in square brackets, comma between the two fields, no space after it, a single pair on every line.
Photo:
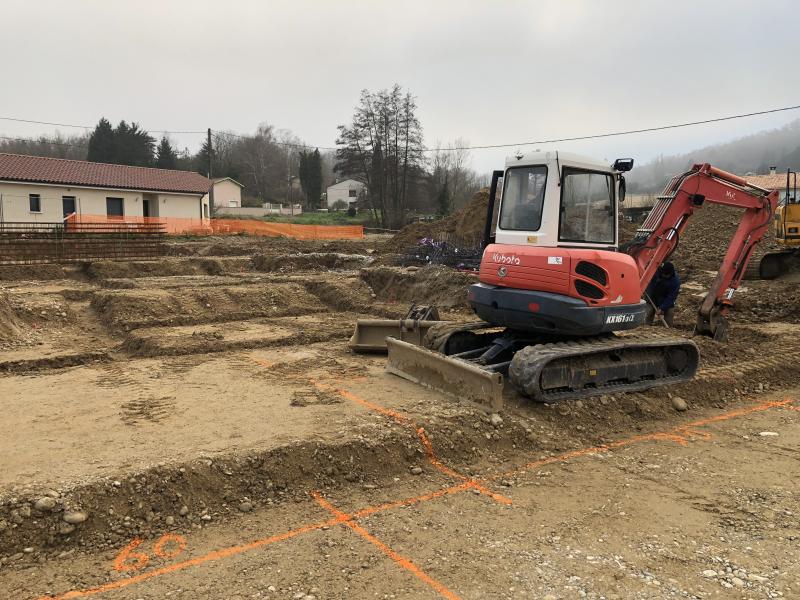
[121,313]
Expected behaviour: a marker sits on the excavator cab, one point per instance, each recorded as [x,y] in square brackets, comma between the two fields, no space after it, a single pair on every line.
[786,227]
[787,215]
[552,199]
[551,265]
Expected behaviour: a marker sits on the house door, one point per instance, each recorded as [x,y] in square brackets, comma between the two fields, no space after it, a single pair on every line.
[68,204]
[146,208]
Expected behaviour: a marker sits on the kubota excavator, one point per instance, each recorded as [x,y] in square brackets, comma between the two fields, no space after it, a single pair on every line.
[555,287]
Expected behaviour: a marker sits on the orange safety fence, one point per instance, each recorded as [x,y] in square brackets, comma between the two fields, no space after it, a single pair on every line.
[188,226]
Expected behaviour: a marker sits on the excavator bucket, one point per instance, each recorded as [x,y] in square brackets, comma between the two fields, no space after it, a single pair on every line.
[452,376]
[370,334]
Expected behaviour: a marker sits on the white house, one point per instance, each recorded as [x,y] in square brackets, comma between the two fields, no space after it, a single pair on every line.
[347,191]
[41,189]
[227,193]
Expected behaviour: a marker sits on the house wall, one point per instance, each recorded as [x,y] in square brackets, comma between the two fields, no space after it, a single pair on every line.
[15,204]
[225,193]
[341,191]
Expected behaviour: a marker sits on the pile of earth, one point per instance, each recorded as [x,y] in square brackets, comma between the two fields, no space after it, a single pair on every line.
[9,319]
[466,225]
[131,309]
[434,284]
[313,261]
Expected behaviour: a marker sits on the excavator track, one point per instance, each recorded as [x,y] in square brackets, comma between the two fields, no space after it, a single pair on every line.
[454,360]
[575,369]
[771,264]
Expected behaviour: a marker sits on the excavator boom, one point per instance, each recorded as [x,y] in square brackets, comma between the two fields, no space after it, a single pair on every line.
[659,235]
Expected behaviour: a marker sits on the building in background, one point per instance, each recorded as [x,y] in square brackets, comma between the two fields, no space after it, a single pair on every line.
[347,191]
[774,180]
[40,189]
[227,194]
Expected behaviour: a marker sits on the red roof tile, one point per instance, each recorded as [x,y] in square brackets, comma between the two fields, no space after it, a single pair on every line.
[40,169]
[770,182]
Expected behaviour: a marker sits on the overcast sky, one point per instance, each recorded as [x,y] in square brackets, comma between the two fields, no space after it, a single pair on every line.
[490,72]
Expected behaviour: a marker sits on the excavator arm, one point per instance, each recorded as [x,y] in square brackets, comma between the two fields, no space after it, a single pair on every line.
[660,234]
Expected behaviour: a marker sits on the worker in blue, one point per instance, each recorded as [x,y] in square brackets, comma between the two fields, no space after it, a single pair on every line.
[662,294]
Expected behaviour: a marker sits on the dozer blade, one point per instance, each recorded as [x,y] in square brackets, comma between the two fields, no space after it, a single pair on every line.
[370,334]
[585,368]
[452,376]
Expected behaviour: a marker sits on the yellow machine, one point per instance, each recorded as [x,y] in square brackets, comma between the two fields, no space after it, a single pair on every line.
[787,232]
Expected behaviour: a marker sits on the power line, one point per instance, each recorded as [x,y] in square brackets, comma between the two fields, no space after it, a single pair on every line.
[218,134]
[617,133]
[41,141]
[18,120]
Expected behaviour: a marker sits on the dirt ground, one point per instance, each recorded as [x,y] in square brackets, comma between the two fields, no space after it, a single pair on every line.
[196,427]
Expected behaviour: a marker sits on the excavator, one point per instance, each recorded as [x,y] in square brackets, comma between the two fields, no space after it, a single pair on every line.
[557,296]
[773,264]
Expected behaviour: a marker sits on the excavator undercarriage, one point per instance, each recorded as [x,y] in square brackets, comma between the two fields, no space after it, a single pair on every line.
[472,361]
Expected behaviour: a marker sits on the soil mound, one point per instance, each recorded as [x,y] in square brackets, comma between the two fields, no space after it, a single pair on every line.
[349,294]
[434,284]
[131,309]
[9,320]
[466,224]
[313,261]
[31,272]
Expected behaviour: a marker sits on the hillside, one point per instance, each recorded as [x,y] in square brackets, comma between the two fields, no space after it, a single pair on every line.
[755,153]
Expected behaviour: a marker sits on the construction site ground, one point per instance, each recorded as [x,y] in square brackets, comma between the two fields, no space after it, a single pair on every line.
[196,427]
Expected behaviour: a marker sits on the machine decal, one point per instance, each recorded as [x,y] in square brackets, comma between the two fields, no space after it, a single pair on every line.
[506,260]
[555,260]
[624,318]
[617,300]
[502,271]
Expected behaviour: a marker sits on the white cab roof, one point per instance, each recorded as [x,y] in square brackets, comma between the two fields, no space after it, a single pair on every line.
[541,157]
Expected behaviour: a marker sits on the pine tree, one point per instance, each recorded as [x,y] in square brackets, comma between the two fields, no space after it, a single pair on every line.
[101,143]
[133,145]
[310,173]
[203,159]
[166,157]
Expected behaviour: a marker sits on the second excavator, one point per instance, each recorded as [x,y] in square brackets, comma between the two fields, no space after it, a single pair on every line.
[557,294]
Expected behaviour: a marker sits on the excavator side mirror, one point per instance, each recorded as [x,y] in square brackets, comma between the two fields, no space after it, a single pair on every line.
[623,164]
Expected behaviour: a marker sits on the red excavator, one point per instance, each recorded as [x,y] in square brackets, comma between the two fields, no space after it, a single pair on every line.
[557,294]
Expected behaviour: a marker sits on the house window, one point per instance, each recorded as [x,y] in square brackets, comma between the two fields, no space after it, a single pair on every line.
[353,193]
[205,210]
[35,202]
[232,204]
[115,207]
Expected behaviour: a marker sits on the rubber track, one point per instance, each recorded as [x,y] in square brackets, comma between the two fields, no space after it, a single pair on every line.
[527,369]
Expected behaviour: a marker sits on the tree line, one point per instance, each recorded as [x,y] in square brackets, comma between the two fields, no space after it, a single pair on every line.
[381,147]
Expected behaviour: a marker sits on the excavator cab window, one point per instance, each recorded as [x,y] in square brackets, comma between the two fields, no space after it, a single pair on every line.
[587,207]
[523,198]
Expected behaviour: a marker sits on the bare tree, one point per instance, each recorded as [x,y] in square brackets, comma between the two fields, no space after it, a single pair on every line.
[383,148]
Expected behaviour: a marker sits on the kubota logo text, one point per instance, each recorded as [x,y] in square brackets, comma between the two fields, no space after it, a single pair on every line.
[506,260]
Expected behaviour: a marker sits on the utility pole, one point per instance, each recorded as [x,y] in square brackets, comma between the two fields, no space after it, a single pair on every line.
[211,189]
[289,181]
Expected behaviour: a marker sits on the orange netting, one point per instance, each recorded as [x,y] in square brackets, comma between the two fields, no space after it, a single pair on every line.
[182,226]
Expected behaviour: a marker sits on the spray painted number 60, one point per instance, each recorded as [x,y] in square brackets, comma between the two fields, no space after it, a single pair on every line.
[129,559]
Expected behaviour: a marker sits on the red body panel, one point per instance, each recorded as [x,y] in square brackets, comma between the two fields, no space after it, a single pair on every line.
[553,270]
